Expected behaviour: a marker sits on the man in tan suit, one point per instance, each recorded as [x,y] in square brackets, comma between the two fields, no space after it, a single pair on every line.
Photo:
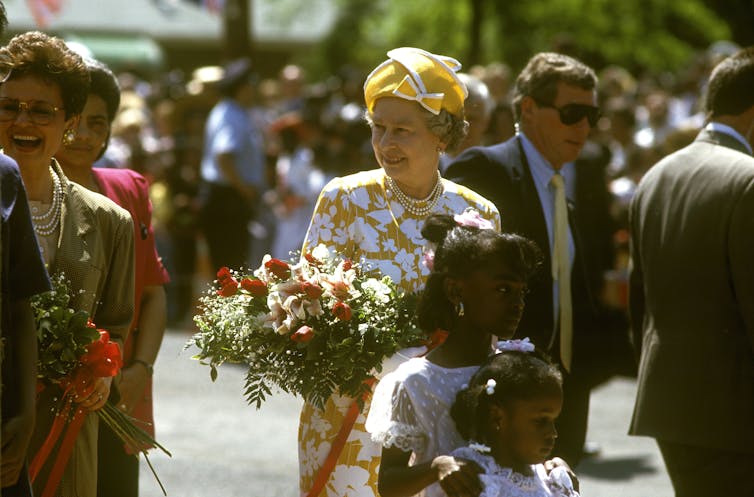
[692,295]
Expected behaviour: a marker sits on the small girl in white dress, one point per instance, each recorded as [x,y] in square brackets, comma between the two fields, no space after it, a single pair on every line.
[508,411]
[475,291]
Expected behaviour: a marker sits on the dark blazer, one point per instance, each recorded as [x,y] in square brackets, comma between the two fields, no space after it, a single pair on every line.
[501,174]
[692,296]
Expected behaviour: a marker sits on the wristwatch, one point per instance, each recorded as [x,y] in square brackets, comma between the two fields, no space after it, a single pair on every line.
[150,369]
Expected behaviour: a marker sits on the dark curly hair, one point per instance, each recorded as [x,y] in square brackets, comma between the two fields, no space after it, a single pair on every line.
[460,250]
[517,375]
[47,57]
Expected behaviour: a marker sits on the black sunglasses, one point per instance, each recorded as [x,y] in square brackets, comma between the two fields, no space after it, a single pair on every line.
[571,114]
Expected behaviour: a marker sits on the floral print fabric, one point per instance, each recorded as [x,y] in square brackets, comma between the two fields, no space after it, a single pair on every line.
[357,216]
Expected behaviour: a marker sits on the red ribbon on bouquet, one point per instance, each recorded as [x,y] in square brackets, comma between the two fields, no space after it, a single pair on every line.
[102,359]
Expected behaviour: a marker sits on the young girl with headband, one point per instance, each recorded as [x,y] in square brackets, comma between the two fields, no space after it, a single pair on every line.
[475,290]
[508,412]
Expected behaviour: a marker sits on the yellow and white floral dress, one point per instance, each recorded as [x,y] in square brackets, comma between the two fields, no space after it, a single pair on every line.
[358,217]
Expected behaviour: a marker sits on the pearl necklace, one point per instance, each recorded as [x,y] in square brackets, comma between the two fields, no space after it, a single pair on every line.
[46,224]
[414,205]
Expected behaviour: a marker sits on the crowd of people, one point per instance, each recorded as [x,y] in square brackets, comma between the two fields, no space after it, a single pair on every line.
[515,206]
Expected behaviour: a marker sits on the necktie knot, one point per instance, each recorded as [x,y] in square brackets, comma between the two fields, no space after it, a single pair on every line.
[557,181]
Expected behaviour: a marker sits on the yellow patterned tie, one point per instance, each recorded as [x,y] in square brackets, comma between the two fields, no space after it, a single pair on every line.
[561,269]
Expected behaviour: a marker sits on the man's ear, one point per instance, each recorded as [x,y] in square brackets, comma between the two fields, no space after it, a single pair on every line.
[528,105]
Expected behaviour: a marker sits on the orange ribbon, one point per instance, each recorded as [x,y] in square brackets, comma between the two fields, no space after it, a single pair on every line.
[434,340]
[338,443]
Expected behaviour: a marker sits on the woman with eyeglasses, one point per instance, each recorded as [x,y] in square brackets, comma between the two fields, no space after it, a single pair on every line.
[82,234]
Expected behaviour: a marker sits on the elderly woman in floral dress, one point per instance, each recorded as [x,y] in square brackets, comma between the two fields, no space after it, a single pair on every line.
[415,110]
[81,234]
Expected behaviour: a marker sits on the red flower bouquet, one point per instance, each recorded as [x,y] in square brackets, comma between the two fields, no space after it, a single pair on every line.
[73,353]
[309,327]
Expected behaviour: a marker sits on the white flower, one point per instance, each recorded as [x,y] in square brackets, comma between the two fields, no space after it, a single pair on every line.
[321,253]
[378,288]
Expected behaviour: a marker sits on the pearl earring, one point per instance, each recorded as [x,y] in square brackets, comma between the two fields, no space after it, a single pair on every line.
[459,309]
[68,136]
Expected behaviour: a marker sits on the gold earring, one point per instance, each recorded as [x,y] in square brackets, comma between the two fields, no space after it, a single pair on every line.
[69,136]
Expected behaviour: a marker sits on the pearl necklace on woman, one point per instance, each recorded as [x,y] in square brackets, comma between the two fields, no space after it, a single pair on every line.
[45,224]
[420,207]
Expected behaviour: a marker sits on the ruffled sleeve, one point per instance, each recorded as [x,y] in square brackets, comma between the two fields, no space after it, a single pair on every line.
[393,420]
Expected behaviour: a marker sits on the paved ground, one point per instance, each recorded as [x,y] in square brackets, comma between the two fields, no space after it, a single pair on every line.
[223,448]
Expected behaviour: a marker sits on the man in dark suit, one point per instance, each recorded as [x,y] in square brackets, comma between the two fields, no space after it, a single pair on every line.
[692,295]
[555,108]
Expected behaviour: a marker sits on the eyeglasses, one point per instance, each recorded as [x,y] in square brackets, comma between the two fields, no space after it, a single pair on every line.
[40,112]
[571,114]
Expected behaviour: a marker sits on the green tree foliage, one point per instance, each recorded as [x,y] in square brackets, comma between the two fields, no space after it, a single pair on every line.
[653,35]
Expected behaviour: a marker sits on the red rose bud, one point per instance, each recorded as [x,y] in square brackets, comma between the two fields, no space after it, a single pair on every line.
[342,311]
[347,264]
[228,290]
[279,268]
[312,260]
[257,288]
[303,334]
[223,273]
[312,290]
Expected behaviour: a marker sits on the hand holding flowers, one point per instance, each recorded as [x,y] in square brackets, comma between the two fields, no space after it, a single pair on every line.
[79,360]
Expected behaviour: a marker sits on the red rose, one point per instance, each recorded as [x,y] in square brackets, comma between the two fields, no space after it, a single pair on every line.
[279,268]
[228,283]
[228,290]
[257,288]
[347,264]
[312,260]
[312,290]
[303,334]
[342,311]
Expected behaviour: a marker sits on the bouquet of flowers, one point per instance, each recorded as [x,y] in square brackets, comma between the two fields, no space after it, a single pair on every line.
[73,353]
[309,327]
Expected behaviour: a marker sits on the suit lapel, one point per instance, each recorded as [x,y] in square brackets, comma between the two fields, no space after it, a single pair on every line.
[531,207]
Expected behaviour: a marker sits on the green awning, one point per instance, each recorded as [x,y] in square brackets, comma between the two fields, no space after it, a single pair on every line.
[122,51]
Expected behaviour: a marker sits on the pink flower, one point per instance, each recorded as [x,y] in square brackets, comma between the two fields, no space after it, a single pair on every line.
[472,218]
[312,290]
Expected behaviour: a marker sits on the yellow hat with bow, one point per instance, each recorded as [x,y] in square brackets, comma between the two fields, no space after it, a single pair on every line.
[418,75]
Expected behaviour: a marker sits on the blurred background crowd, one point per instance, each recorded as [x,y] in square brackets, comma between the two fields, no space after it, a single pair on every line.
[314,130]
[652,59]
